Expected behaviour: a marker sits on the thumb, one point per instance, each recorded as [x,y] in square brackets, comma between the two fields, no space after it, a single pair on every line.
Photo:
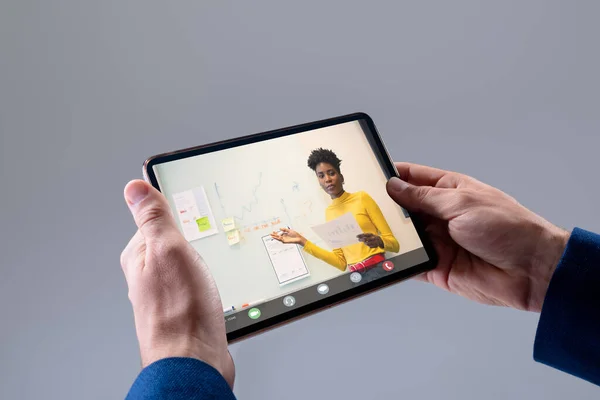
[437,202]
[150,209]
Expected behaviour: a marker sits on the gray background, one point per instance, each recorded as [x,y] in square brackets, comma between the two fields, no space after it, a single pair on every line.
[506,91]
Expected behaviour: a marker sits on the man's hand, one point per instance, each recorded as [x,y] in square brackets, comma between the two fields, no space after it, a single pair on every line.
[176,305]
[491,249]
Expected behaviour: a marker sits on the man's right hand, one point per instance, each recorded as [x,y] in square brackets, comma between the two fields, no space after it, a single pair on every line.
[491,248]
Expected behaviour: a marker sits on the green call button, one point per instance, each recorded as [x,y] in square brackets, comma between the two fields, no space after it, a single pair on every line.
[254,313]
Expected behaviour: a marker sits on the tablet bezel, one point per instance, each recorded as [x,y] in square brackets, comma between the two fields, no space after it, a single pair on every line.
[330,301]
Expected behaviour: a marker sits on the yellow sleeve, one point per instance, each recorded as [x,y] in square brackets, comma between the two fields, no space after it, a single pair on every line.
[389,240]
[335,258]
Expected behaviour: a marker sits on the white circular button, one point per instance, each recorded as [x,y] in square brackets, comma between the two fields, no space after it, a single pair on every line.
[289,301]
[323,289]
[355,277]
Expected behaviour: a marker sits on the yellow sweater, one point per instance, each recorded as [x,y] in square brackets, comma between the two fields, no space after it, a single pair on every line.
[369,218]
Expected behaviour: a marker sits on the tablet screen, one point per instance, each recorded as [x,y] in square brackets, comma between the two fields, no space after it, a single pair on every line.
[291,221]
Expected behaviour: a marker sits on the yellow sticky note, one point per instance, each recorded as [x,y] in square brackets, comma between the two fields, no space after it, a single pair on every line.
[233,237]
[203,224]
[228,224]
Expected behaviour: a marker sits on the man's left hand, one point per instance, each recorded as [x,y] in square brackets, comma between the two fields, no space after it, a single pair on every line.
[176,304]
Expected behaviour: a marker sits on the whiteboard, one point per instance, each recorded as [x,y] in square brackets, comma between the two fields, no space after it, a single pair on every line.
[286,259]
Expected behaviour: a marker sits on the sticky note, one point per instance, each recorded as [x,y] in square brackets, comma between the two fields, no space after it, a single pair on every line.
[228,224]
[203,224]
[233,237]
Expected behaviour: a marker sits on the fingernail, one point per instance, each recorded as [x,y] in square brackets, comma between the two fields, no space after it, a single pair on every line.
[135,192]
[397,184]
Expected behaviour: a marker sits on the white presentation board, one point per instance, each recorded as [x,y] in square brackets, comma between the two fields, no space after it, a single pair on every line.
[286,259]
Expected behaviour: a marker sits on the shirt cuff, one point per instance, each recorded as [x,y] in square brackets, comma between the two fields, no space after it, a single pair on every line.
[568,333]
[180,378]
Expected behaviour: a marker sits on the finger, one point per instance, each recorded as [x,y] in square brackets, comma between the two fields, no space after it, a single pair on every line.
[133,249]
[150,210]
[437,202]
[445,248]
[133,244]
[422,277]
[421,175]
[277,237]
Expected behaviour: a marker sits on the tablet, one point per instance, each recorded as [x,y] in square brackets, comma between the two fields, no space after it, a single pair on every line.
[292,221]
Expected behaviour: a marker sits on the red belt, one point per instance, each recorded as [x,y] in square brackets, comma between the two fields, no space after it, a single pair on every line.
[366,264]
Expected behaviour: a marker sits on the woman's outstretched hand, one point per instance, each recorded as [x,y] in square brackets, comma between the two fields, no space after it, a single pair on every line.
[289,236]
[491,248]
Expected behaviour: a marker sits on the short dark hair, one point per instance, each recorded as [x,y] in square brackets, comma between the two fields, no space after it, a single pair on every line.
[321,155]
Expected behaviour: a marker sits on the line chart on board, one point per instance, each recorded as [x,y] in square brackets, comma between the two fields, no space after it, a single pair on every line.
[245,208]
[246,214]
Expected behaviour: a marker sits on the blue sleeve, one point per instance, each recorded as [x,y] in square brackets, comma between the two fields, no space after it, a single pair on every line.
[568,334]
[178,379]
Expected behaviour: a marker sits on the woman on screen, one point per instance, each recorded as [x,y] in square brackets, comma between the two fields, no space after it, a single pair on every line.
[377,237]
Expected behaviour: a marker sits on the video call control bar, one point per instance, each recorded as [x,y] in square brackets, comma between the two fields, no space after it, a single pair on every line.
[280,305]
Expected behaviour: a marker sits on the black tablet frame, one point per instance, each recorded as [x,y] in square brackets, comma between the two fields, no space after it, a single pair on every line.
[327,302]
